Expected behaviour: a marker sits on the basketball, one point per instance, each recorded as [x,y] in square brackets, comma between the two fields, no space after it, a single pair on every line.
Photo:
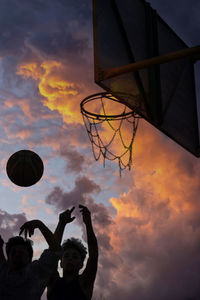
[24,168]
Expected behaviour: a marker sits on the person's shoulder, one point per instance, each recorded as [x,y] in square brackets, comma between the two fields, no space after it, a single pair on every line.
[48,255]
[46,264]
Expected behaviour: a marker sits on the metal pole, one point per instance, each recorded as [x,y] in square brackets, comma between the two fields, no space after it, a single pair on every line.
[193,52]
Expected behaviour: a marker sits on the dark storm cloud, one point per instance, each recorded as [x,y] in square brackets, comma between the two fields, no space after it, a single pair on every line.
[59,44]
[83,7]
[17,20]
[64,28]
[45,26]
[10,224]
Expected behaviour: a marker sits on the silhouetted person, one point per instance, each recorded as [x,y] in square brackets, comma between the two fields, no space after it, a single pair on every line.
[73,286]
[20,278]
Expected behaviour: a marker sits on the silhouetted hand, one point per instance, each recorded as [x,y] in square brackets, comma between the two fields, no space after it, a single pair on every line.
[29,227]
[85,214]
[65,217]
[1,242]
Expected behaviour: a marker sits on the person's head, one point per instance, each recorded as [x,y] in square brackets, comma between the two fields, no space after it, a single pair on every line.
[19,252]
[73,256]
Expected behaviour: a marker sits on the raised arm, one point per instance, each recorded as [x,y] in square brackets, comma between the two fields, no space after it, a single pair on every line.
[29,228]
[64,218]
[89,274]
[2,257]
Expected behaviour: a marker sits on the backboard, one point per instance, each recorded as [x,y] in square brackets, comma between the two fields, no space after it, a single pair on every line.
[129,32]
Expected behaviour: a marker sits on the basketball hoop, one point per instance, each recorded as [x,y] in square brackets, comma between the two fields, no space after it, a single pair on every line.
[109,116]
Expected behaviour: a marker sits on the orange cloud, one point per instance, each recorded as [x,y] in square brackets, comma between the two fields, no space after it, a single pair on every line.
[165,169]
[59,93]
[30,70]
[124,209]
[160,167]
[157,212]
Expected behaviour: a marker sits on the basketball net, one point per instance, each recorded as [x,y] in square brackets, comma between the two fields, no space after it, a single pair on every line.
[107,131]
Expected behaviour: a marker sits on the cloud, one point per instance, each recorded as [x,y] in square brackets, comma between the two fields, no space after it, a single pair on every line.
[52,61]
[63,200]
[155,235]
[20,21]
[28,120]
[160,260]
[74,159]
[59,92]
[59,43]
[10,224]
[81,194]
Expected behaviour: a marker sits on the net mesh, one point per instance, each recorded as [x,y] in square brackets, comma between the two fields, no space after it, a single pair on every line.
[111,135]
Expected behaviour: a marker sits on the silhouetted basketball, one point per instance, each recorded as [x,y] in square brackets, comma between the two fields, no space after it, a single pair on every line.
[25,168]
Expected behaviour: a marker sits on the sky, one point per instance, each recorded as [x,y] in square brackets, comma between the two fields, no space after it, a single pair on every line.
[147,222]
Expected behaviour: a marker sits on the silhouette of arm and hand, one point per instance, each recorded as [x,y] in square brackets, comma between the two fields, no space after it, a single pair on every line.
[2,257]
[89,274]
[29,227]
[64,219]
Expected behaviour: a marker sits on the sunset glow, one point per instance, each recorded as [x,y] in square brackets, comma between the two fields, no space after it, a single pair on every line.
[147,221]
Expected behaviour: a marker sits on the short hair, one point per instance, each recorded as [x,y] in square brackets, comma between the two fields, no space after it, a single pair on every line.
[19,240]
[76,244]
